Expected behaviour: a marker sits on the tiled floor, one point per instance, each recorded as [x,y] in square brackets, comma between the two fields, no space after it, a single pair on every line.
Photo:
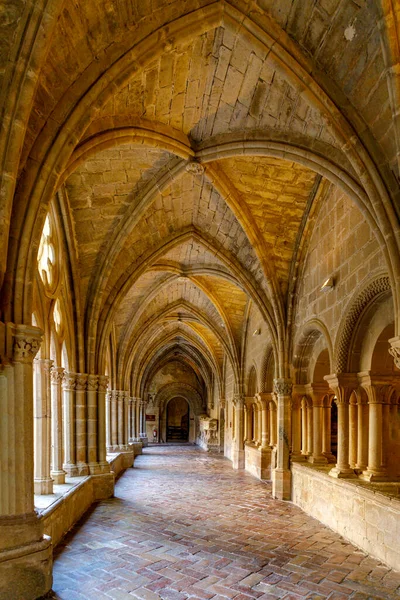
[183,524]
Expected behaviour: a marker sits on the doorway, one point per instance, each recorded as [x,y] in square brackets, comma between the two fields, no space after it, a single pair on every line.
[178,420]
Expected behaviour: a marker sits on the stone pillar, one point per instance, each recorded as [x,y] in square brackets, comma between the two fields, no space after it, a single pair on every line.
[108,421]
[264,399]
[310,426]
[81,423]
[143,432]
[101,424]
[246,426]
[25,553]
[222,405]
[304,433]
[69,388]
[342,385]
[126,420]
[43,483]
[353,431]
[137,420]
[296,455]
[272,423]
[378,392]
[238,447]
[57,472]
[362,434]
[281,476]
[317,393]
[114,421]
[130,420]
[92,389]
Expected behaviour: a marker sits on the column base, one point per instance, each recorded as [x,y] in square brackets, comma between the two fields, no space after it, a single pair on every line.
[58,477]
[331,458]
[43,486]
[103,486]
[281,484]
[71,470]
[298,457]
[342,473]
[374,475]
[83,469]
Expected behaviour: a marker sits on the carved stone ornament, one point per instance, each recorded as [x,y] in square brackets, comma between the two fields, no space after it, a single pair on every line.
[69,381]
[81,382]
[195,168]
[103,383]
[283,387]
[395,352]
[56,375]
[92,383]
[25,348]
[238,399]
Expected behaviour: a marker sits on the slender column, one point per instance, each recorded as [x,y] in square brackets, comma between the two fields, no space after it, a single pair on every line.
[238,447]
[130,420]
[69,388]
[304,433]
[317,393]
[126,420]
[281,476]
[296,429]
[258,421]
[264,422]
[80,424]
[342,386]
[120,428]
[114,420]
[362,434]
[353,432]
[137,420]
[25,554]
[101,424]
[326,432]
[378,392]
[310,426]
[108,420]
[246,426]
[272,422]
[42,426]
[92,388]
[57,472]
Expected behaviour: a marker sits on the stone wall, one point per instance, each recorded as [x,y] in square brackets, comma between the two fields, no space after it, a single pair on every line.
[363,515]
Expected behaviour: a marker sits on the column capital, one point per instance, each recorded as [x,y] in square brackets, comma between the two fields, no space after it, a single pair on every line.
[238,399]
[222,402]
[264,398]
[378,388]
[92,383]
[57,374]
[283,386]
[81,381]
[26,342]
[69,381]
[394,350]
[342,385]
[317,392]
[103,383]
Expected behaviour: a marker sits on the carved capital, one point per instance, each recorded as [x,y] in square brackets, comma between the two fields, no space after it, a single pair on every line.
[394,350]
[238,400]
[342,385]
[103,383]
[283,387]
[222,402]
[81,382]
[26,343]
[92,383]
[69,381]
[56,375]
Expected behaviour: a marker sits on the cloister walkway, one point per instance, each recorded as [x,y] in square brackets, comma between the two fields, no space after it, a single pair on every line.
[184,524]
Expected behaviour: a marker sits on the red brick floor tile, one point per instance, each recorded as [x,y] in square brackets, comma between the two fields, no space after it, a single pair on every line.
[184,524]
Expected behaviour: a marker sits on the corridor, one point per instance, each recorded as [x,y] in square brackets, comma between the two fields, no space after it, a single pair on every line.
[184,524]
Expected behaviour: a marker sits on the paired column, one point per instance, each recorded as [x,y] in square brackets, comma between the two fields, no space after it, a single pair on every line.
[317,393]
[69,388]
[296,455]
[25,553]
[143,432]
[238,446]
[281,476]
[342,386]
[265,432]
[57,472]
[43,483]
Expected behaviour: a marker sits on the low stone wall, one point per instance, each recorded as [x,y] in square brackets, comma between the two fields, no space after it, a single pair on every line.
[121,461]
[361,513]
[258,461]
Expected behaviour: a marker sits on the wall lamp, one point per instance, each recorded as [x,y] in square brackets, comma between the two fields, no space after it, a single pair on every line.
[328,285]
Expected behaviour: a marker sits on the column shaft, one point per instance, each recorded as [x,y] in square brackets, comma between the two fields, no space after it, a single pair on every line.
[57,472]
[43,483]
[81,424]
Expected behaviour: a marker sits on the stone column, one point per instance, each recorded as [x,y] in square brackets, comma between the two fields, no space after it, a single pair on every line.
[222,405]
[120,418]
[81,423]
[108,421]
[246,426]
[362,434]
[238,446]
[130,421]
[137,420]
[342,385]
[378,392]
[57,472]
[310,426]
[43,483]
[264,399]
[281,476]
[92,388]
[114,421]
[304,433]
[143,432]
[126,420]
[101,424]
[69,388]
[353,431]
[326,432]
[272,423]
[25,553]
[296,455]
[317,393]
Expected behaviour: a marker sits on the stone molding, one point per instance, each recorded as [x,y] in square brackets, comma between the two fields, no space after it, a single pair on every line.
[194,167]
